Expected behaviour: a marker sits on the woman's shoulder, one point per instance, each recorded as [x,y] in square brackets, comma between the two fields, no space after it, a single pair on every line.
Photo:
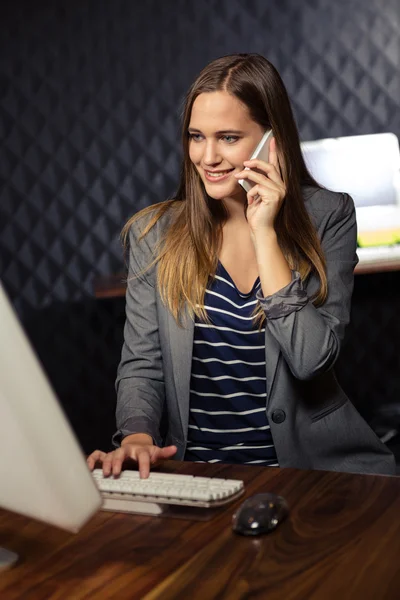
[322,203]
[153,221]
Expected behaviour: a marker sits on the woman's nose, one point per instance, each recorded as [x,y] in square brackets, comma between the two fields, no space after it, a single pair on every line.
[211,155]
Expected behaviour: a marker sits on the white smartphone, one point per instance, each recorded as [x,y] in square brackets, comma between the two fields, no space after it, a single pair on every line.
[261,152]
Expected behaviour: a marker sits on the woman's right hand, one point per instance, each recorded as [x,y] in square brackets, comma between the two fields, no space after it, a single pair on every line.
[143,452]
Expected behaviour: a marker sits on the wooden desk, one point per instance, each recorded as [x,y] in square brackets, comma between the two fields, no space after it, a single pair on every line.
[341,540]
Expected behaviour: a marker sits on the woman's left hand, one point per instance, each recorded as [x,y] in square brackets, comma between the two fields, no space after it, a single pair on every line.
[266,196]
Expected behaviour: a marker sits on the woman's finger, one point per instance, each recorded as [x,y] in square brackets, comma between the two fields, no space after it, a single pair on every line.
[260,179]
[92,459]
[267,190]
[269,171]
[118,458]
[109,460]
[253,195]
[273,155]
[143,460]
[164,453]
[275,160]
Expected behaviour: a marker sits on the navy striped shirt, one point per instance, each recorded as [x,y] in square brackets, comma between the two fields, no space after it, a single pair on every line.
[227,416]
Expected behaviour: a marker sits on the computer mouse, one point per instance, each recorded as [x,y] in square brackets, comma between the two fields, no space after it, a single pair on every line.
[260,514]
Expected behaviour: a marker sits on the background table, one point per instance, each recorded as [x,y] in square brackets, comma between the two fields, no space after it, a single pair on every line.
[341,540]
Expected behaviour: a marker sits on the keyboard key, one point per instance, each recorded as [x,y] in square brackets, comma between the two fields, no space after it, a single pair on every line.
[168,487]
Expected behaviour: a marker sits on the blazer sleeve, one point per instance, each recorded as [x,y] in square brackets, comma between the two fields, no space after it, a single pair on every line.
[140,377]
[310,337]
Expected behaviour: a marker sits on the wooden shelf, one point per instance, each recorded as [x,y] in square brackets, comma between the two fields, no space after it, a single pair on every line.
[114,286]
[109,286]
[379,267]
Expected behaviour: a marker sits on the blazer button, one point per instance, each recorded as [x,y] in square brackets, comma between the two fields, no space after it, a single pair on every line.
[278,416]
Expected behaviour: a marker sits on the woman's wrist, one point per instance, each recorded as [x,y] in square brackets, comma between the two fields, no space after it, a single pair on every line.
[273,268]
[266,246]
[264,238]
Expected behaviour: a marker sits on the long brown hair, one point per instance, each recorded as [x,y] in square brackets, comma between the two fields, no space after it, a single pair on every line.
[188,254]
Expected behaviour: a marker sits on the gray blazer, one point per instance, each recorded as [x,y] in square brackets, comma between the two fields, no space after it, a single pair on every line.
[313,423]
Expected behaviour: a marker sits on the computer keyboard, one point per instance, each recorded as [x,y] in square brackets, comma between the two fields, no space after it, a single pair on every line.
[129,493]
[378,254]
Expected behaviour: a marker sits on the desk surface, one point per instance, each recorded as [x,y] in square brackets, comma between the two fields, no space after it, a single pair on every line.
[341,540]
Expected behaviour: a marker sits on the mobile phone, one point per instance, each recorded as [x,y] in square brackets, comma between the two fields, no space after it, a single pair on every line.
[261,152]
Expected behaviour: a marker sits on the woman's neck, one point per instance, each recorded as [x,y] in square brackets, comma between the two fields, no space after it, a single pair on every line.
[235,209]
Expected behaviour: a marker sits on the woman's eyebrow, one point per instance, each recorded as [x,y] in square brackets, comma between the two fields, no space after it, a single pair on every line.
[220,132]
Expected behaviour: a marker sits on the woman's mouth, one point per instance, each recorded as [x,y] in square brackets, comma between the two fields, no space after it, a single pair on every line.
[217,176]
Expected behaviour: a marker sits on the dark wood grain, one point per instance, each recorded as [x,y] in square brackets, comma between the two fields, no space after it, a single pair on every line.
[110,286]
[379,267]
[341,540]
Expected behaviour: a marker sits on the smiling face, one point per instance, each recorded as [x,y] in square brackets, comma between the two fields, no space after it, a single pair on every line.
[222,136]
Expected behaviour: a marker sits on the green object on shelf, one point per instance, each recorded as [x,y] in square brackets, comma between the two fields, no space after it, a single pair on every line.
[384,237]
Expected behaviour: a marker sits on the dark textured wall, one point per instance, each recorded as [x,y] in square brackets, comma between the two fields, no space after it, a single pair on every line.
[90,100]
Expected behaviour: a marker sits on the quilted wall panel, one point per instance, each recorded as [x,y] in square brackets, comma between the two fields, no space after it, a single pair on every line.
[90,101]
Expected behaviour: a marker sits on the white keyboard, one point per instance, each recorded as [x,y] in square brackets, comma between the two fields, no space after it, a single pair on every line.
[378,254]
[129,493]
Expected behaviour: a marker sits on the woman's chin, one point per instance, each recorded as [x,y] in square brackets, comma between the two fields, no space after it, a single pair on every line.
[215,196]
[224,192]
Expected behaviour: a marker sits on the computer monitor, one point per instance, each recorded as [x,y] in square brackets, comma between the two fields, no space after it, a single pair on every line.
[43,470]
[365,166]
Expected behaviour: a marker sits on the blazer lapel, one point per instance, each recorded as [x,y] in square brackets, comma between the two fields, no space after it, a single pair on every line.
[272,353]
[181,346]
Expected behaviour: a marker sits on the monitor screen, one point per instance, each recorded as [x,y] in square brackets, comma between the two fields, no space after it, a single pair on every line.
[43,471]
[365,166]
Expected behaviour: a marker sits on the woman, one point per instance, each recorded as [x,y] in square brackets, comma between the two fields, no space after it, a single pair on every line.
[237,303]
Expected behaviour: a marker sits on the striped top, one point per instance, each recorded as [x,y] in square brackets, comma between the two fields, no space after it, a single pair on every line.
[227,413]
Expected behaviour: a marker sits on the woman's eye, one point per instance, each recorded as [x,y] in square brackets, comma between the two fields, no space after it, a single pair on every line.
[195,137]
[230,139]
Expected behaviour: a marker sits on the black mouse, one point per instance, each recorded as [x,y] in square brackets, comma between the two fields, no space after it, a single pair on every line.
[260,514]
